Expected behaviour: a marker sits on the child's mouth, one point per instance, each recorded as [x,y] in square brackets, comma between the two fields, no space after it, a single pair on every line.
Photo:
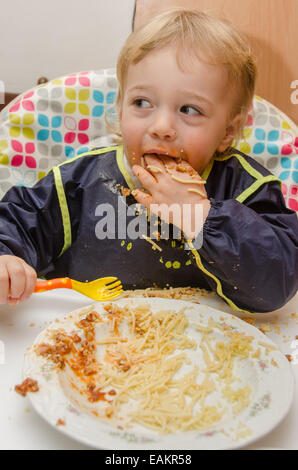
[161,154]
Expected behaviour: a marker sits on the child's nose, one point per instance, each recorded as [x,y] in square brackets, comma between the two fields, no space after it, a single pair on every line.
[163,128]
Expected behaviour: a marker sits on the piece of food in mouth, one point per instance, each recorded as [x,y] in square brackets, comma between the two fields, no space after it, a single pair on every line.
[154,169]
[162,154]
[181,168]
[179,164]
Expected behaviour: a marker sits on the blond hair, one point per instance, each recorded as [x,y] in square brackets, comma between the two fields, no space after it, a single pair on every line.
[203,36]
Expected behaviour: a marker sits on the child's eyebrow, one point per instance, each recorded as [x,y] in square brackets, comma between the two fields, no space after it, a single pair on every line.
[186,95]
[140,88]
[191,95]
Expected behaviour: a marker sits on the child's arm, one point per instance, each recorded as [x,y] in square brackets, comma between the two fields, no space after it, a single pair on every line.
[251,249]
[249,253]
[31,236]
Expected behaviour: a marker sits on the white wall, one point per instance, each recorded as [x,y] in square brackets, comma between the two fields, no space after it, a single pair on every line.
[55,37]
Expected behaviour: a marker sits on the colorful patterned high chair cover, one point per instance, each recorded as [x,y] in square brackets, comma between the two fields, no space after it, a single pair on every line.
[66,117]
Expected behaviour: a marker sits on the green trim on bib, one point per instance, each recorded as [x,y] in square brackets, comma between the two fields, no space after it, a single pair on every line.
[207,170]
[255,186]
[260,179]
[218,283]
[91,152]
[64,209]
[122,168]
[61,193]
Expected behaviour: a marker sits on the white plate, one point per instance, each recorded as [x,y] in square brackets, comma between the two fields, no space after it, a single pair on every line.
[269,377]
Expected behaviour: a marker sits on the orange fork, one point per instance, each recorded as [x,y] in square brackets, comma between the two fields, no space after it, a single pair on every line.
[105,288]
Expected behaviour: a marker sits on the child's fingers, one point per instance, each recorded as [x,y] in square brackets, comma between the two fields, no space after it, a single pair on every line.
[166,160]
[145,178]
[17,278]
[143,198]
[186,168]
[155,164]
[4,284]
[31,277]
[180,166]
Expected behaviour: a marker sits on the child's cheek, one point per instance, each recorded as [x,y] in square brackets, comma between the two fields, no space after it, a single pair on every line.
[133,159]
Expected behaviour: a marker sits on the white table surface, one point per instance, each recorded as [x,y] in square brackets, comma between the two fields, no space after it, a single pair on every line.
[22,428]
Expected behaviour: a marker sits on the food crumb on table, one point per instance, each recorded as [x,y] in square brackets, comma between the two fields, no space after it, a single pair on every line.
[28,385]
[265,328]
[60,422]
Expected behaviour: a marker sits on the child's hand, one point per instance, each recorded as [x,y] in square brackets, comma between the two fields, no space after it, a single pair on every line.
[17,279]
[163,179]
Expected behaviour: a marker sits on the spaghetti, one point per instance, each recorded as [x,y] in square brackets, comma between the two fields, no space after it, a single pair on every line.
[141,363]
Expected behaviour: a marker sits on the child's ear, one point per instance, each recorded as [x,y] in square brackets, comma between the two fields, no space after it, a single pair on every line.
[231,132]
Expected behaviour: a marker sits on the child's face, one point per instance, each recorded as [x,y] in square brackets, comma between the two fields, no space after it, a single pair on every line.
[167,111]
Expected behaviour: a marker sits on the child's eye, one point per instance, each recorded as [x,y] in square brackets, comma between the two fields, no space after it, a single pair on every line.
[190,110]
[141,103]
